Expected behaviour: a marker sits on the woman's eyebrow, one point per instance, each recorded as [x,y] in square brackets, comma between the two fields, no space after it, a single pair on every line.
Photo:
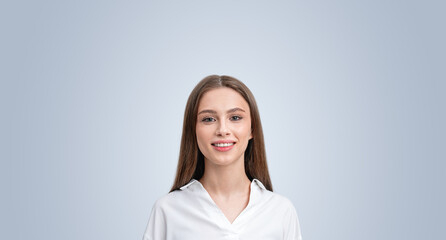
[207,111]
[214,112]
[235,110]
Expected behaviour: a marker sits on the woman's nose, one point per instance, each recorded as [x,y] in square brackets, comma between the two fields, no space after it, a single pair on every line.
[222,129]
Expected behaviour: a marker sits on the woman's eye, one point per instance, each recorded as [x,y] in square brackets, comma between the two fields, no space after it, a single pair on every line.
[236,118]
[208,119]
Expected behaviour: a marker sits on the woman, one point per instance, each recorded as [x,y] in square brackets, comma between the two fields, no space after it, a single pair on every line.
[222,188]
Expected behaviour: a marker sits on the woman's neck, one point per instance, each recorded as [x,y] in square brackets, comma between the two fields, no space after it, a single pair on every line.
[225,180]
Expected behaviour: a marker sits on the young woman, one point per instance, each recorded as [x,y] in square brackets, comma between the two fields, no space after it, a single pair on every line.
[222,188]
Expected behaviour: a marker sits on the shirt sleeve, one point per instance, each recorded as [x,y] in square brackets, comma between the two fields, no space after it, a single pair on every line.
[156,228]
[292,226]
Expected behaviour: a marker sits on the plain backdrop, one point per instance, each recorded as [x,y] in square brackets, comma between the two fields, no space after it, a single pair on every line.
[351,96]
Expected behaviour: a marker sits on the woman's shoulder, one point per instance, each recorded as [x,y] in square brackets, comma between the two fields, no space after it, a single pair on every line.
[175,197]
[281,201]
[282,198]
[275,198]
[169,199]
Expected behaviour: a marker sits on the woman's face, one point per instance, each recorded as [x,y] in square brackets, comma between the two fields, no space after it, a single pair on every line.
[223,126]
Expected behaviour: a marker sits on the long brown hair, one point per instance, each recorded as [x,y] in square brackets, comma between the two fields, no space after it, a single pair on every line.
[191,160]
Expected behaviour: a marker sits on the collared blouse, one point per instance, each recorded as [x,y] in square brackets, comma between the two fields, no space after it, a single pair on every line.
[191,214]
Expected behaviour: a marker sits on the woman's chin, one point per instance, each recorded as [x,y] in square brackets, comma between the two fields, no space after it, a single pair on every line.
[222,162]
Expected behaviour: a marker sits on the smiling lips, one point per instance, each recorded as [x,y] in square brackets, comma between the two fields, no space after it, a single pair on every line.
[223,146]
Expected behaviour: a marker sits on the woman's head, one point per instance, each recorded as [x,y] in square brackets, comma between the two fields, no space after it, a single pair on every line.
[223,128]
[249,139]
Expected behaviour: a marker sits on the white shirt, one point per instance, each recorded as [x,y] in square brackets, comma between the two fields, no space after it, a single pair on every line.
[191,214]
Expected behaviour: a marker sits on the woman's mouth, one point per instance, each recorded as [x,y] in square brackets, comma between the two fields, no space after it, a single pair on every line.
[223,147]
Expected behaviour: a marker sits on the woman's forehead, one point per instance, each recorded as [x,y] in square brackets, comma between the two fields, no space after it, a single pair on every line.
[222,99]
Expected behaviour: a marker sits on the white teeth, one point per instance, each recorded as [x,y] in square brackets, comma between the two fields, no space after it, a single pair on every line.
[223,144]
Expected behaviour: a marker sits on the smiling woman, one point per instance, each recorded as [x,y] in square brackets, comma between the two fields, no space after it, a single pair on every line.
[223,125]
[222,188]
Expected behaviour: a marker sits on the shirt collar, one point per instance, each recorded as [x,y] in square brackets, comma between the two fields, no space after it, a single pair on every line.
[192,181]
[260,184]
[255,180]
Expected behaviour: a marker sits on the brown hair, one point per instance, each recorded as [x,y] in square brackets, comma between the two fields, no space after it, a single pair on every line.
[191,160]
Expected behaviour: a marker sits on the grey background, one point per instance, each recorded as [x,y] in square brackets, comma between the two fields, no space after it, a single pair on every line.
[351,96]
